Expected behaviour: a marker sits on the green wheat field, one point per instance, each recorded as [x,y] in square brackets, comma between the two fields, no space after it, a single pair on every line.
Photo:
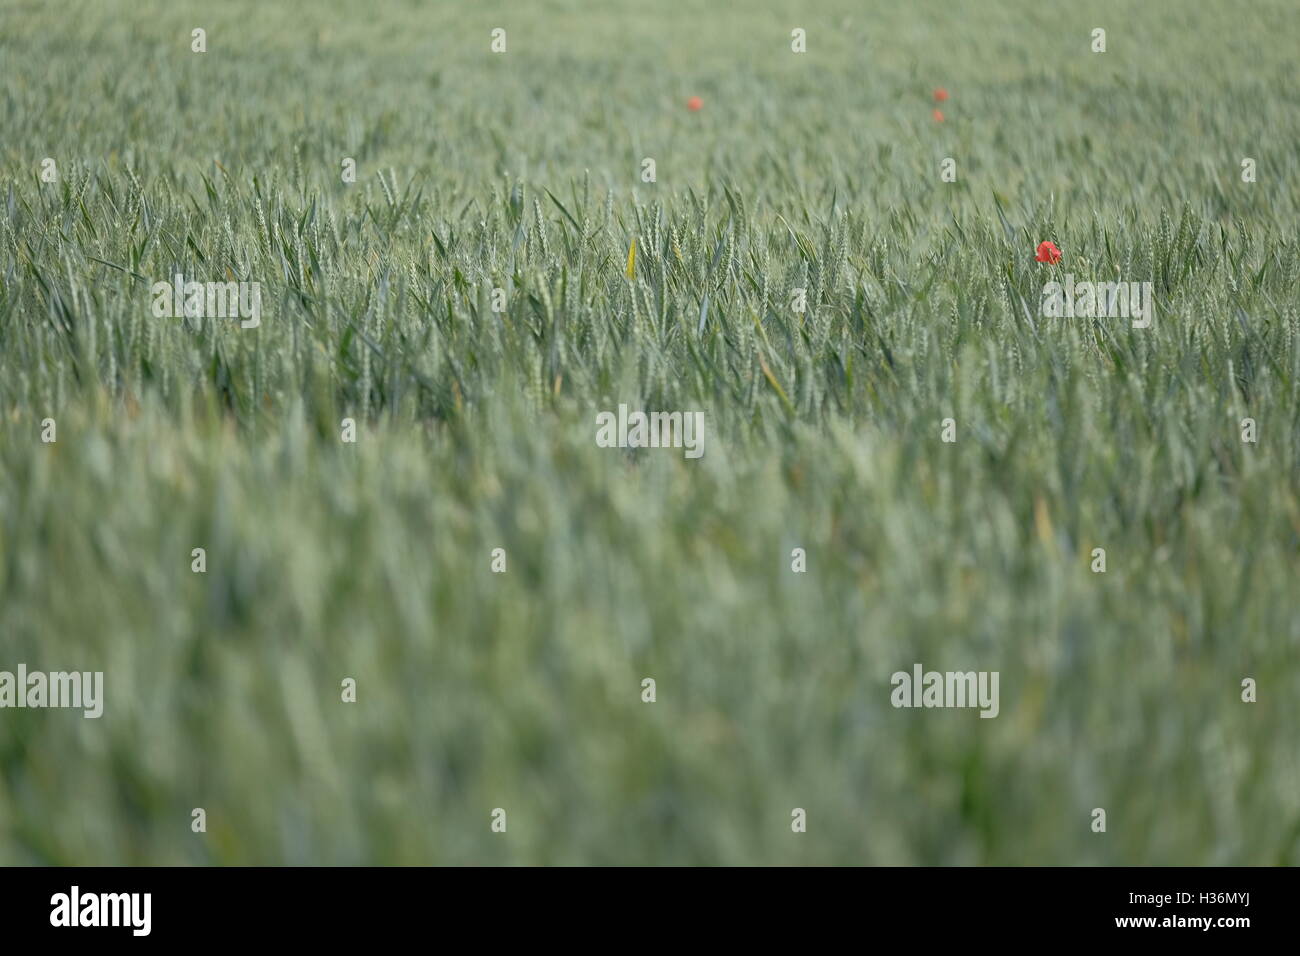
[814,174]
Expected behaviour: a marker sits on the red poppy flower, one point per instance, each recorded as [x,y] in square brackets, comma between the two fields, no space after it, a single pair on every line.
[695,104]
[938,116]
[1047,252]
[940,95]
